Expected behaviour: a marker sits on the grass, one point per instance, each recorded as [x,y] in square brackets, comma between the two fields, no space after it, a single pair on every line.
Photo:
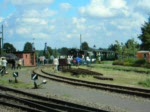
[124,68]
[145,83]
[121,77]
[4,80]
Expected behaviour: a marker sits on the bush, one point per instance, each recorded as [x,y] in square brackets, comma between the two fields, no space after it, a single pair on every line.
[132,62]
[145,83]
[117,62]
[140,62]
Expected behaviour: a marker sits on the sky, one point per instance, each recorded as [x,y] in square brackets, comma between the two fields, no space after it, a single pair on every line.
[61,23]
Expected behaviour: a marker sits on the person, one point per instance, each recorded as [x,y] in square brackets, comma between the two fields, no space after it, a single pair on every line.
[78,60]
[56,63]
[13,64]
[69,61]
[87,60]
[4,65]
[19,64]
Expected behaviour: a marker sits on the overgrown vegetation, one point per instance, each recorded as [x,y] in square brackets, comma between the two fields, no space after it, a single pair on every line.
[132,62]
[145,83]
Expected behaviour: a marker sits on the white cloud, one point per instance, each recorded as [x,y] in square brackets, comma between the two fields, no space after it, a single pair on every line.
[79,23]
[1,19]
[105,9]
[31,2]
[144,5]
[40,35]
[65,6]
[23,31]
[100,22]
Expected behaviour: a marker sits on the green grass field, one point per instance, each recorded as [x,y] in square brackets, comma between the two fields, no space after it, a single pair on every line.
[130,78]
[9,81]
[121,76]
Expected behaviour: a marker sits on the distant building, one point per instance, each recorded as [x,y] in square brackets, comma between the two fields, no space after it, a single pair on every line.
[144,55]
[29,58]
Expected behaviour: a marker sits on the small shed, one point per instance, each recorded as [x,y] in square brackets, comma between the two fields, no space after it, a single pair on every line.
[144,55]
[29,58]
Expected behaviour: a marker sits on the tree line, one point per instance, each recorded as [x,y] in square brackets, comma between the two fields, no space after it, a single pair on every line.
[126,49]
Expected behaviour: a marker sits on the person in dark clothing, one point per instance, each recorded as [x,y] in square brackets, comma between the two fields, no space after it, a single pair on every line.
[13,64]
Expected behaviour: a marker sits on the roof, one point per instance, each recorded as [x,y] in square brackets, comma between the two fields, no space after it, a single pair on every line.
[10,56]
[143,51]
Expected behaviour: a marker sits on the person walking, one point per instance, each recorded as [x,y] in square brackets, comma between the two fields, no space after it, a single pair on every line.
[19,63]
[4,65]
[69,61]
[13,64]
[56,63]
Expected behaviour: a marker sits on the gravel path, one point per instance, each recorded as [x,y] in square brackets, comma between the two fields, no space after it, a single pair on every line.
[91,97]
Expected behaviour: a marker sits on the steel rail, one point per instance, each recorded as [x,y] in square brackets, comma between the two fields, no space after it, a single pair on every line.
[145,93]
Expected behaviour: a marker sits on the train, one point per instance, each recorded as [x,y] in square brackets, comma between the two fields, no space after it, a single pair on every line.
[104,55]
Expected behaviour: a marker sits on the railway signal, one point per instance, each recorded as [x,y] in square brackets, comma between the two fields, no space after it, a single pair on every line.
[15,74]
[2,72]
[34,77]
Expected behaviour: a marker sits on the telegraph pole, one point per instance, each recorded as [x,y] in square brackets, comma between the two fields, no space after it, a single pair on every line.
[1,42]
[80,42]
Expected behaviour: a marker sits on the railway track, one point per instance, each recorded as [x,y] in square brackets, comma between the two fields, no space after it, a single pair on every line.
[139,92]
[35,103]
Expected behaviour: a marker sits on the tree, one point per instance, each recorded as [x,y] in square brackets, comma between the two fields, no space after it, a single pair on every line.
[55,52]
[112,47]
[131,47]
[63,51]
[50,50]
[9,48]
[28,47]
[84,46]
[145,36]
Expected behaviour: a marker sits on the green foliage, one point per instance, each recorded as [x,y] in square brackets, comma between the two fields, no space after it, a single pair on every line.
[145,83]
[84,46]
[132,62]
[28,47]
[118,62]
[129,49]
[63,51]
[9,48]
[50,50]
[55,53]
[140,62]
[145,36]
[46,54]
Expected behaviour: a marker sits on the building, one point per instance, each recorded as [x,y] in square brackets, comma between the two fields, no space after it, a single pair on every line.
[29,58]
[144,55]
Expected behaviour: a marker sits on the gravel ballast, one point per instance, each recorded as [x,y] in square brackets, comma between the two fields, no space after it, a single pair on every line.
[95,98]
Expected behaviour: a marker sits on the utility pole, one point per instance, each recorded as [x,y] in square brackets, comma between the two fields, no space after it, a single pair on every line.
[80,42]
[1,42]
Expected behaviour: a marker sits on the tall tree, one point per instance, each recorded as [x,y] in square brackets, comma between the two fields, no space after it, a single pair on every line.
[63,51]
[9,48]
[28,47]
[112,47]
[85,46]
[145,36]
[50,50]
[131,47]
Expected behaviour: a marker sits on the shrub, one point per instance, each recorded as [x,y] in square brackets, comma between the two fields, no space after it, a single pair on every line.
[140,62]
[117,62]
[145,83]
